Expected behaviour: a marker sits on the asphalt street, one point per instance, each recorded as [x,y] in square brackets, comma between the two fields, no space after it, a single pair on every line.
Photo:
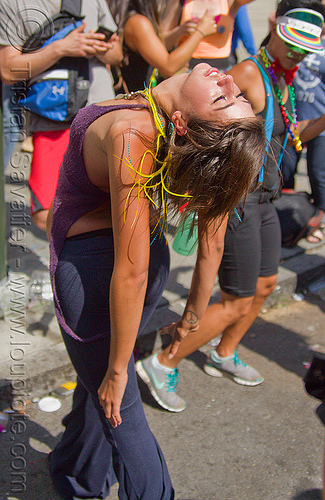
[231,442]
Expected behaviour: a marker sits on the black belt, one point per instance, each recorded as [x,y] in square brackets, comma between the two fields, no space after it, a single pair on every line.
[266,196]
[263,195]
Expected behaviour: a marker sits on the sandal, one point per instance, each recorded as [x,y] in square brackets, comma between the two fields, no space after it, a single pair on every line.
[315,233]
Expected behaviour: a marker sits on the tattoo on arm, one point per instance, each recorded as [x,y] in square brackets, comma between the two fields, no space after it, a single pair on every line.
[191,317]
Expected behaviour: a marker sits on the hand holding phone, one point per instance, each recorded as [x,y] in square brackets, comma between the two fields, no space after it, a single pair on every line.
[105,31]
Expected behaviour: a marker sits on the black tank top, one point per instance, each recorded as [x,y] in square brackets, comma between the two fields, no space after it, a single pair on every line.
[271,175]
[136,74]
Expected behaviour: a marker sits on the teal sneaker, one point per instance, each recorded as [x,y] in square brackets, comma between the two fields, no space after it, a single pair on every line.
[241,373]
[162,384]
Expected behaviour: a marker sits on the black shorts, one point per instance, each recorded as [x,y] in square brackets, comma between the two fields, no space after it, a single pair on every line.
[252,248]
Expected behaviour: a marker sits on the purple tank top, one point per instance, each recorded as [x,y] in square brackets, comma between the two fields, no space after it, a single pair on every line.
[75,194]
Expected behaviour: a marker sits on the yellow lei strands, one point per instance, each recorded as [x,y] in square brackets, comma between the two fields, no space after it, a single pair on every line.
[146,182]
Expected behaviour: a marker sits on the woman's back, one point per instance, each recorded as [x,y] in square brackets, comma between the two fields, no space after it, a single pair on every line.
[83,185]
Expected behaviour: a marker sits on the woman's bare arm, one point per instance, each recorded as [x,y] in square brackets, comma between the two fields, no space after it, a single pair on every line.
[236,4]
[209,255]
[130,222]
[248,78]
[140,36]
[49,221]
[174,35]
[309,129]
[16,66]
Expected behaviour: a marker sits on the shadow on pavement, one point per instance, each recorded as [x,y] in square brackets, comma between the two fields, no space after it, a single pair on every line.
[280,345]
[173,284]
[308,495]
[25,460]
[313,299]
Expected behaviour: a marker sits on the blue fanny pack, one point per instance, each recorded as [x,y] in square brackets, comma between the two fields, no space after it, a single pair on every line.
[59,92]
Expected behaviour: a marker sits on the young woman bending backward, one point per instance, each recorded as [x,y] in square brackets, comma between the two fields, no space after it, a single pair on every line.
[129,161]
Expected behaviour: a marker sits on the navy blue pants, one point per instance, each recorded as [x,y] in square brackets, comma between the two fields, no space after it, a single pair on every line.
[92,454]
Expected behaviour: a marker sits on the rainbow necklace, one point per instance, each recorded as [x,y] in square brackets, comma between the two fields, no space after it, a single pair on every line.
[288,120]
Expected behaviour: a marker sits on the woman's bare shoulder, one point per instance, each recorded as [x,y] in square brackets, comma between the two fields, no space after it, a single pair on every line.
[248,78]
[135,120]
[244,72]
[130,129]
[117,130]
[136,24]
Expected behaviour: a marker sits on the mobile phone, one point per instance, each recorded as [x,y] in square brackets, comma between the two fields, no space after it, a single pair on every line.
[108,33]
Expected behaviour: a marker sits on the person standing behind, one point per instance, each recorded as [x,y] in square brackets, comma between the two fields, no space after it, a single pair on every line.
[249,266]
[144,44]
[242,32]
[309,85]
[50,138]
[215,49]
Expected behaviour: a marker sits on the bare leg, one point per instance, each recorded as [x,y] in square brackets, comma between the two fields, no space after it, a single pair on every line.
[217,317]
[39,219]
[233,334]
[232,316]
[315,235]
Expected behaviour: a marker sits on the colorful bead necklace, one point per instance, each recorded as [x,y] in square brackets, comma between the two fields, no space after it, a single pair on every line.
[288,120]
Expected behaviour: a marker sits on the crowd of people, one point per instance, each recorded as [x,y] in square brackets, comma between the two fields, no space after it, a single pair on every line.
[172,120]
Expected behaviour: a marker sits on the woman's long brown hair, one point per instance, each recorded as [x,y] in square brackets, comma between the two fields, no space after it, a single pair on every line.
[217,164]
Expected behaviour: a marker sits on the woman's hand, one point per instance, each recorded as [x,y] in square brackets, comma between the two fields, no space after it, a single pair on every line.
[189,27]
[207,25]
[110,395]
[178,332]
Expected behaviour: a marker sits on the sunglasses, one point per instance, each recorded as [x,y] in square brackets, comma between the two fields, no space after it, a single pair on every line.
[298,50]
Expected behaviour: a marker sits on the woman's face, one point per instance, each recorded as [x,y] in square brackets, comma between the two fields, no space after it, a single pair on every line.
[212,96]
[288,55]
